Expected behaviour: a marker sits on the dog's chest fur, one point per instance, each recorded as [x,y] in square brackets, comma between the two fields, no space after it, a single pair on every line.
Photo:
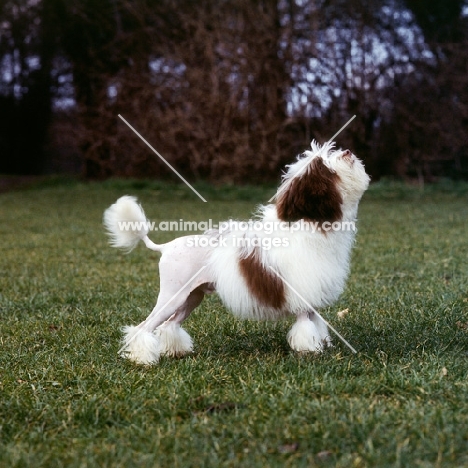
[251,285]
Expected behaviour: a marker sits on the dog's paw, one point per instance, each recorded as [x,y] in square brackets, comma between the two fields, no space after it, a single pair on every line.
[140,346]
[304,337]
[327,342]
[173,340]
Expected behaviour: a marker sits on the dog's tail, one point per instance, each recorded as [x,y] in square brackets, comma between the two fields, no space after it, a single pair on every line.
[126,225]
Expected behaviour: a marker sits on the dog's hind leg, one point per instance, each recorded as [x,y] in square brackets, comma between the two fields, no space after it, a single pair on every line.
[143,346]
[173,339]
[178,297]
[183,279]
[140,344]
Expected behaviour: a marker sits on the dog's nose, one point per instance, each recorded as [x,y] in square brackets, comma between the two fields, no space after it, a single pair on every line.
[347,155]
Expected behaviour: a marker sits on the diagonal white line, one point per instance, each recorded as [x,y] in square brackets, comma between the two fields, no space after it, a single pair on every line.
[316,154]
[314,310]
[163,307]
[162,159]
[342,128]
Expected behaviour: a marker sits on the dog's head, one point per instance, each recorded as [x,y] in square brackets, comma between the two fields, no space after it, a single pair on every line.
[321,185]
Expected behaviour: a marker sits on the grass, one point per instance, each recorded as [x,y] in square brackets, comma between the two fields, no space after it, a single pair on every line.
[242,398]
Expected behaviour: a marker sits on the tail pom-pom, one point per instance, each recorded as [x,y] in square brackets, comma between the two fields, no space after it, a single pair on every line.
[126,223]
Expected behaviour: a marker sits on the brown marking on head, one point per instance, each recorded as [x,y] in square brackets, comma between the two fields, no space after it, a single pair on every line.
[263,284]
[313,196]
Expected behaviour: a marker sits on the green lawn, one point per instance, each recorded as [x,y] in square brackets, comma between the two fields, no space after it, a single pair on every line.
[243,398]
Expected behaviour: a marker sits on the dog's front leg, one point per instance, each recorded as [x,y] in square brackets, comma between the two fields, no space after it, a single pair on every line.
[308,334]
[322,329]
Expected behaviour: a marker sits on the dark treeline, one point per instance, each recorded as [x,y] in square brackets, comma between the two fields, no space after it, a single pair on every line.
[230,90]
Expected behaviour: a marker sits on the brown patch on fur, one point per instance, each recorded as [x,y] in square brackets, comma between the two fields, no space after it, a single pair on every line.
[263,283]
[314,196]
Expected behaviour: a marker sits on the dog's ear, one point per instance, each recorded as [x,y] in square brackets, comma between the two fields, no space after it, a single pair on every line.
[313,196]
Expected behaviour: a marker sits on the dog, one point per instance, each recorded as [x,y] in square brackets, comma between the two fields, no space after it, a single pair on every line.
[293,257]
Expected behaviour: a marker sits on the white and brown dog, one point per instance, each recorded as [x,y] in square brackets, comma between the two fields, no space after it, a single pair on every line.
[294,257]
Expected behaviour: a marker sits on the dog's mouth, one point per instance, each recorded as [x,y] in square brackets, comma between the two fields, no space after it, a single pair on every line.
[348,156]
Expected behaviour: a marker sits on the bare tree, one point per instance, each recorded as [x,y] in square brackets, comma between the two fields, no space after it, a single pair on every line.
[230,90]
[26,53]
